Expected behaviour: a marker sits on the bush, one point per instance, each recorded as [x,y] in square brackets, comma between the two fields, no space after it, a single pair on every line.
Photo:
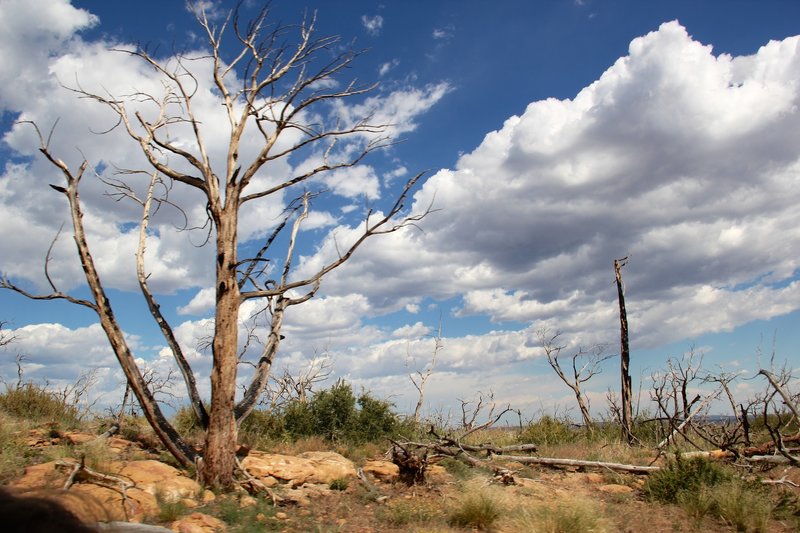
[684,478]
[35,403]
[334,411]
[261,427]
[547,430]
[336,415]
[298,421]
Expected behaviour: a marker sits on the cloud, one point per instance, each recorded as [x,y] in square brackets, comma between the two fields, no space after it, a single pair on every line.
[31,213]
[208,8]
[373,25]
[386,67]
[201,303]
[444,34]
[397,109]
[30,34]
[682,159]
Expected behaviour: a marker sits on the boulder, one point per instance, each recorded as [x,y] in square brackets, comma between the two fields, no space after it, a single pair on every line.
[143,480]
[198,523]
[306,468]
[382,470]
[157,478]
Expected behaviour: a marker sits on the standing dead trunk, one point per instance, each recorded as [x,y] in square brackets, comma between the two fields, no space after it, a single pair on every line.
[624,355]
[221,438]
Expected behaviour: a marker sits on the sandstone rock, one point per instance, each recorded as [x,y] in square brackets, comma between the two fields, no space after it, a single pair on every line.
[382,470]
[134,507]
[198,523]
[45,475]
[615,489]
[329,466]
[147,478]
[309,467]
[438,474]
[247,501]
[155,477]
[74,437]
[304,496]
[594,478]
[84,506]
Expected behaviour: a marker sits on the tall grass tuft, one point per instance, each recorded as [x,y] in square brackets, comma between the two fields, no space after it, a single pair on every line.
[35,403]
[477,508]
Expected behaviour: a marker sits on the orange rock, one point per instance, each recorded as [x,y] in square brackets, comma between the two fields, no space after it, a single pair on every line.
[198,523]
[309,467]
[615,489]
[382,470]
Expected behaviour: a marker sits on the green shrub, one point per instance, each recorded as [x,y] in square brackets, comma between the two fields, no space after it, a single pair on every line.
[547,430]
[375,419]
[37,404]
[298,421]
[334,411]
[684,478]
[339,484]
[185,421]
[338,416]
[261,427]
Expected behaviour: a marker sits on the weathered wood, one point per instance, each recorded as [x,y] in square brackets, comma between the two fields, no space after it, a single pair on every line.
[624,355]
[554,461]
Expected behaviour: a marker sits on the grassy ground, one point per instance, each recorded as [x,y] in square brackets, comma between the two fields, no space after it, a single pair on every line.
[684,496]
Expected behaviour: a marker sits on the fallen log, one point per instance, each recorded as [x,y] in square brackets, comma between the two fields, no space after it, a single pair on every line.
[554,461]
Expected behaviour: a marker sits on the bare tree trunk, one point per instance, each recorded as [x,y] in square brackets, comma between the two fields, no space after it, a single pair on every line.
[624,355]
[220,446]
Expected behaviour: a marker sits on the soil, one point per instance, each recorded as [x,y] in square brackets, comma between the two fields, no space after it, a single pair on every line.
[616,501]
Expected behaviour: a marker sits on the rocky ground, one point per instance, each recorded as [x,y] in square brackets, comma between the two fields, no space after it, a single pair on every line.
[116,480]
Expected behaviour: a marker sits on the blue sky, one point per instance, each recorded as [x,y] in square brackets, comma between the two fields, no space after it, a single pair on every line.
[556,136]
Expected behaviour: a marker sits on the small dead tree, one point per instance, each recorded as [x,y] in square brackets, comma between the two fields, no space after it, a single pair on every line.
[5,337]
[780,417]
[585,364]
[670,390]
[626,394]
[297,386]
[420,377]
[272,88]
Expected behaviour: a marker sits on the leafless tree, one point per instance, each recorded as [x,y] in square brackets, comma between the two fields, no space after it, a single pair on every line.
[584,362]
[5,337]
[267,89]
[420,377]
[626,394]
[780,417]
[472,409]
[297,386]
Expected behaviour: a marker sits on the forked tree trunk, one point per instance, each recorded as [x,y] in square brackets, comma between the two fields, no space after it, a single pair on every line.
[219,456]
[624,355]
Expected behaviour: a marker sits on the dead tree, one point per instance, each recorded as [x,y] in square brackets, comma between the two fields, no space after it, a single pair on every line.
[670,391]
[422,377]
[5,337]
[585,364]
[779,419]
[268,87]
[414,457]
[624,356]
[288,386]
